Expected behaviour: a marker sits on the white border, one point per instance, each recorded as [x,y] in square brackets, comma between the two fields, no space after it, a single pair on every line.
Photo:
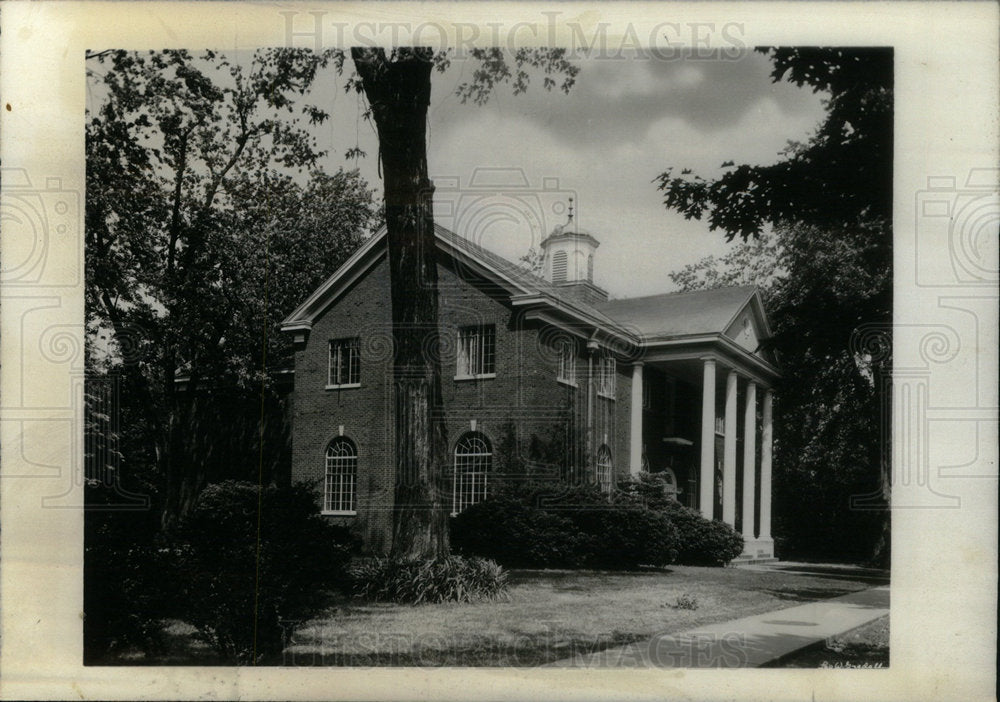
[945,560]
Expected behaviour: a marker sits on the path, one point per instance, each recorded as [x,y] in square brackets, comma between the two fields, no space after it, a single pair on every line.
[748,642]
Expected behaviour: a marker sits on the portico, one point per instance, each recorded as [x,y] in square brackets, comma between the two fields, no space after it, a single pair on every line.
[719,451]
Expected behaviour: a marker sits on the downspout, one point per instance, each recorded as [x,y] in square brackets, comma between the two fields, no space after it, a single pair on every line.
[592,348]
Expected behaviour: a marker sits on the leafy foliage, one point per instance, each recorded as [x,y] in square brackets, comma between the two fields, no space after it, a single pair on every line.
[700,541]
[253,562]
[205,224]
[825,271]
[125,597]
[842,174]
[495,69]
[563,526]
[414,581]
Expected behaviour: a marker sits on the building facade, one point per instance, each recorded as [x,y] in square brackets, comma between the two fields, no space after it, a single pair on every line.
[542,375]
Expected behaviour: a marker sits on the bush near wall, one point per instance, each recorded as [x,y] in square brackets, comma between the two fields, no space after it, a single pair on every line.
[558,526]
[702,542]
[244,594]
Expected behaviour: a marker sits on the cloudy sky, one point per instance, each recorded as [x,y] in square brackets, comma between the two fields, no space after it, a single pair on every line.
[504,171]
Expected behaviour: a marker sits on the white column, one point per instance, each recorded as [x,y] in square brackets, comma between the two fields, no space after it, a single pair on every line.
[635,445]
[729,456]
[749,460]
[766,437]
[706,481]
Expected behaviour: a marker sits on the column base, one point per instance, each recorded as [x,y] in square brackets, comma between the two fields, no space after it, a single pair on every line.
[756,551]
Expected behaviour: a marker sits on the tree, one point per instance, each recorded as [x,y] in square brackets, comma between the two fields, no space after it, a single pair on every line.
[830,203]
[397,86]
[194,217]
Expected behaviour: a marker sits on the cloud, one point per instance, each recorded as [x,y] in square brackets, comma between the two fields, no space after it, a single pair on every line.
[603,144]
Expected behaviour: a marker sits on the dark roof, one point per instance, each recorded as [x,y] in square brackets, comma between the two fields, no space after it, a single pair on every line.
[653,316]
[680,313]
[522,276]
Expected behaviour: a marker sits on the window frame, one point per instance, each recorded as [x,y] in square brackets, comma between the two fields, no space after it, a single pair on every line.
[476,333]
[348,466]
[604,469]
[607,371]
[567,360]
[481,466]
[353,345]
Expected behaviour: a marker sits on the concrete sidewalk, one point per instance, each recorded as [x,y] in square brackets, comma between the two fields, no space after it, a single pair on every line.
[748,642]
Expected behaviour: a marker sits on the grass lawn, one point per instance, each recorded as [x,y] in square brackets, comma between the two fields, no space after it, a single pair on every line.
[550,615]
[553,615]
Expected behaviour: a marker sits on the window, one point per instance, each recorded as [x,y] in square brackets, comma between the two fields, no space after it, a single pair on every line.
[345,363]
[670,489]
[477,351]
[341,477]
[647,392]
[567,362]
[606,376]
[473,459]
[590,267]
[604,468]
[559,265]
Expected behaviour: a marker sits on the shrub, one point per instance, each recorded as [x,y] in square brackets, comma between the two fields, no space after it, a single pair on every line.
[243,593]
[703,542]
[559,526]
[625,538]
[125,596]
[510,532]
[452,579]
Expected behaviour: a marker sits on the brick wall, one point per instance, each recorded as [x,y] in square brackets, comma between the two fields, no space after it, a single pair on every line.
[524,400]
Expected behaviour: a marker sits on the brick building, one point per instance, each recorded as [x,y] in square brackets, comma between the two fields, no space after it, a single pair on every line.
[542,374]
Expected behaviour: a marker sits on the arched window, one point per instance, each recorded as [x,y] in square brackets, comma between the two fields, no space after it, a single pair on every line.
[604,468]
[341,477]
[559,265]
[473,460]
[590,268]
[671,488]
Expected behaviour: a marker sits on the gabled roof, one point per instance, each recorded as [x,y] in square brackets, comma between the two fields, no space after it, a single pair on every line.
[678,314]
[701,313]
[517,280]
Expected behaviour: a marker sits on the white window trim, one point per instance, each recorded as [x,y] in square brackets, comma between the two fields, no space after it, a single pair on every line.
[600,469]
[329,364]
[601,390]
[458,475]
[353,473]
[562,366]
[461,359]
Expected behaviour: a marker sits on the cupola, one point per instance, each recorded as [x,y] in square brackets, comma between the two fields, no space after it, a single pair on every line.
[568,261]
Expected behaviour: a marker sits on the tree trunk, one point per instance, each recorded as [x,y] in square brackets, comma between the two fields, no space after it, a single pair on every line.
[398,92]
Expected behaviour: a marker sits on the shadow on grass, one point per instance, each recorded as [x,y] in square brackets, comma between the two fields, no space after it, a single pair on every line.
[806,594]
[872,576]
